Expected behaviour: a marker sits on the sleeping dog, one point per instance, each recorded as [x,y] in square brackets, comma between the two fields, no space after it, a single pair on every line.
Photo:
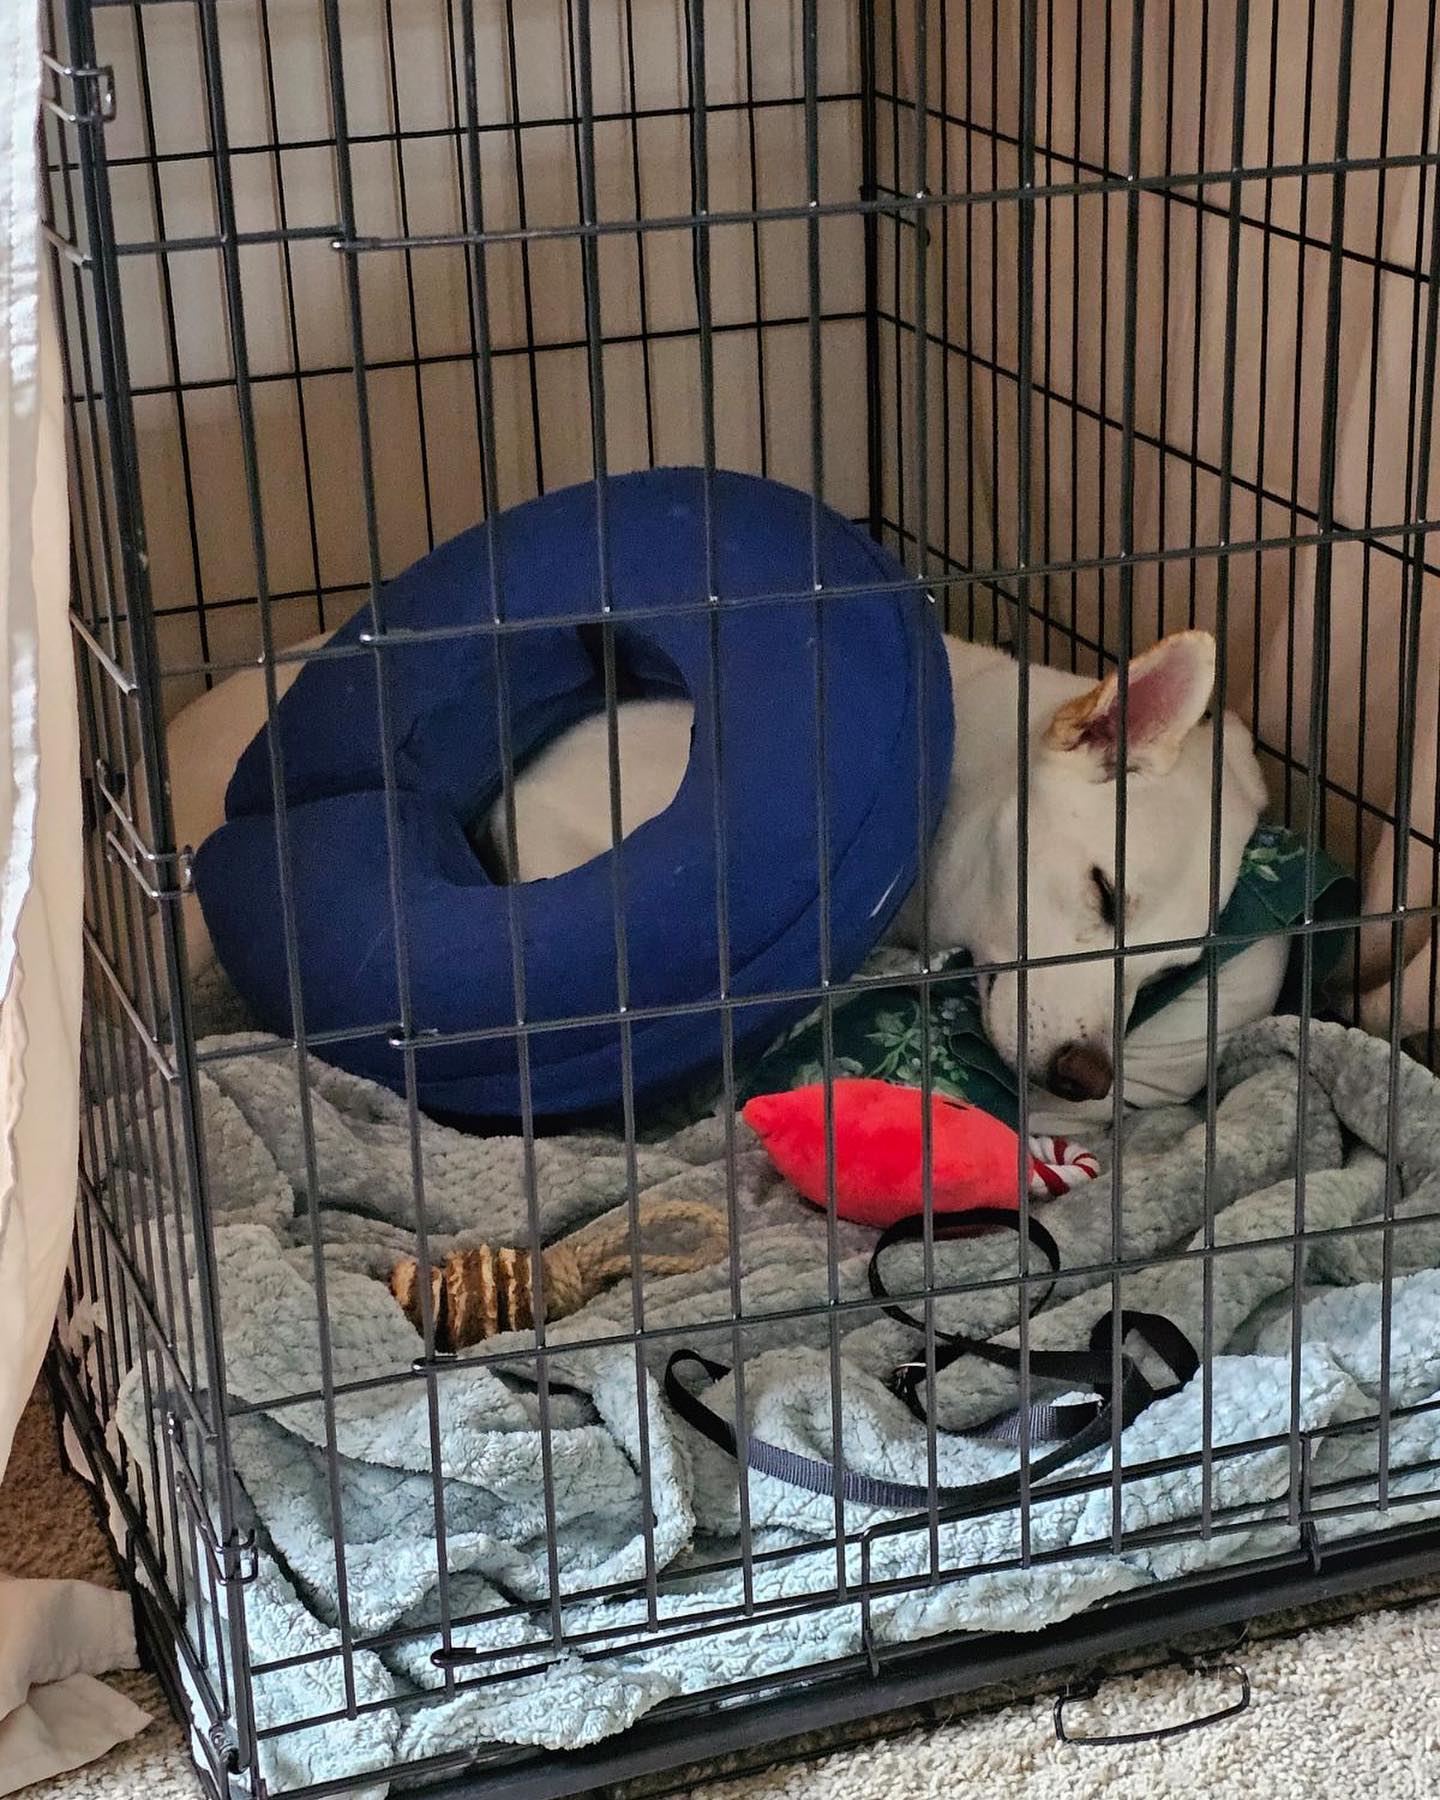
[563,818]
[562,807]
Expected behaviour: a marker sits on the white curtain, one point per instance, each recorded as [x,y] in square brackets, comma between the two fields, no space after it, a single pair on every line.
[53,1635]
[40,796]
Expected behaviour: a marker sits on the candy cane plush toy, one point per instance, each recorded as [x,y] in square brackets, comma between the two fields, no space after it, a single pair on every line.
[879,1151]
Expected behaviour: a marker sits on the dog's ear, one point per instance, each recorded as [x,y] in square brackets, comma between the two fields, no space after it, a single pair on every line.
[1166,696]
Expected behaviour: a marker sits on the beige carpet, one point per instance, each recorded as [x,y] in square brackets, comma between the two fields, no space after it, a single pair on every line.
[1348,1707]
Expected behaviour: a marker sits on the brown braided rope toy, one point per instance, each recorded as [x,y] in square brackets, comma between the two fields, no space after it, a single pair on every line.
[476,1293]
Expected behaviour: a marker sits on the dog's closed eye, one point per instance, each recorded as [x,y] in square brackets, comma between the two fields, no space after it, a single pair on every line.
[1105,893]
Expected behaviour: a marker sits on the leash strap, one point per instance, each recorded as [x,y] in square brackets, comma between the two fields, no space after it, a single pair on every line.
[1075,1428]
[819,1477]
[1091,1368]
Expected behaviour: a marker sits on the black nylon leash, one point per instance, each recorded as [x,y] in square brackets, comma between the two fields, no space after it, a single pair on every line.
[1091,1368]
[1075,1428]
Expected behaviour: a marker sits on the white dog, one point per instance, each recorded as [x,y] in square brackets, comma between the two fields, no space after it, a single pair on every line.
[562,806]
[562,810]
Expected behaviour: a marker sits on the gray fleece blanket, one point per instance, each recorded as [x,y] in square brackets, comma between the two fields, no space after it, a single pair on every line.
[537,1525]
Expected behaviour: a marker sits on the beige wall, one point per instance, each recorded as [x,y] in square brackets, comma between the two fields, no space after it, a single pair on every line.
[417,309]
[1279,273]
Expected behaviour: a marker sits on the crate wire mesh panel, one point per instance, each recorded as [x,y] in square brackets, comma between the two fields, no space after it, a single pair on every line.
[1106,319]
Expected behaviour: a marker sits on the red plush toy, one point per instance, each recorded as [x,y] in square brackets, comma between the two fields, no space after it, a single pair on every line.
[878,1151]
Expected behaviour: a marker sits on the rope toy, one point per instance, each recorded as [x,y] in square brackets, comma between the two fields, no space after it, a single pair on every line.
[478,1292]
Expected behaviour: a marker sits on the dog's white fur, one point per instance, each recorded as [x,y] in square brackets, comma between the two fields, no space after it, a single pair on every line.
[562,804]
[1071,827]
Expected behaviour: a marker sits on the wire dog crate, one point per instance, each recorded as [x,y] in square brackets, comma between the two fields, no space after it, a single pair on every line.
[1107,319]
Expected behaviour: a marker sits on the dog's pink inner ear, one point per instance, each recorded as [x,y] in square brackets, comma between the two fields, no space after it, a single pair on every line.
[1166,695]
[1160,699]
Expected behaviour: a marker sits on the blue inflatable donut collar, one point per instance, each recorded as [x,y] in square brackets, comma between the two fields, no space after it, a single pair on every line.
[872,635]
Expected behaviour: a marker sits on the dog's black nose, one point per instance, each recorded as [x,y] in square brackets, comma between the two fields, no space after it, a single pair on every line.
[1080,1072]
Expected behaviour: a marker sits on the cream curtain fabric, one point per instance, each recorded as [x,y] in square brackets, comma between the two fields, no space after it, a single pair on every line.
[54,1635]
[40,970]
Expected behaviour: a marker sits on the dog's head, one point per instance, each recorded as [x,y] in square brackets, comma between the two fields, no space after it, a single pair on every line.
[1074,904]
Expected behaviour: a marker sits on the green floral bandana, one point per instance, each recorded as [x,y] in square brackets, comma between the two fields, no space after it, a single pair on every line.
[879,1033]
